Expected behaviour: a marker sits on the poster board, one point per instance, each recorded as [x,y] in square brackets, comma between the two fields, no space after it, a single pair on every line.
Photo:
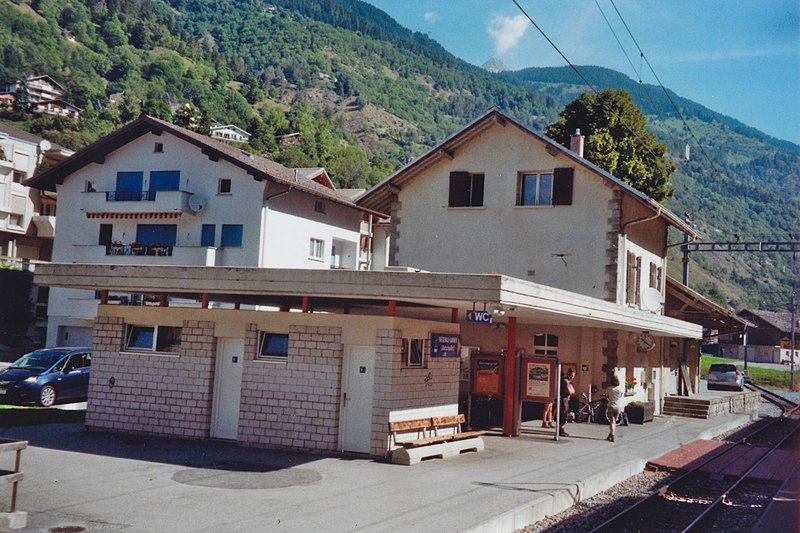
[538,379]
[487,375]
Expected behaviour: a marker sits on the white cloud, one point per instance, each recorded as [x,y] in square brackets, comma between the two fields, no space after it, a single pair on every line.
[430,17]
[507,31]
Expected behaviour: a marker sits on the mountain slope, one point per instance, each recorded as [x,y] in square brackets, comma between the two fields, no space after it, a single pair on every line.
[363,95]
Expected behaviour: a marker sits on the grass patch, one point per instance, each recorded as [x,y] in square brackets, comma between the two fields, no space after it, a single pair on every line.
[765,377]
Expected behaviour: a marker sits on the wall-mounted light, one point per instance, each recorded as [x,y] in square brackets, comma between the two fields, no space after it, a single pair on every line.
[496,310]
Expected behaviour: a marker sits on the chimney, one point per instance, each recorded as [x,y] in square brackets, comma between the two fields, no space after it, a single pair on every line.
[576,142]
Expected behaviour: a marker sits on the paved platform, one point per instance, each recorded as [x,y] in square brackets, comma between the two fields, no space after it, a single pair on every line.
[104,482]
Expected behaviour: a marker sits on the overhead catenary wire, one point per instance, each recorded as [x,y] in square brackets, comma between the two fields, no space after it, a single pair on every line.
[669,97]
[585,81]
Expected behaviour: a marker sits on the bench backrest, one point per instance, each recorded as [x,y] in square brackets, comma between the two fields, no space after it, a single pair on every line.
[418,424]
[448,421]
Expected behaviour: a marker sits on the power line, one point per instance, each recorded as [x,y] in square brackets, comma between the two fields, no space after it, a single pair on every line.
[585,81]
[671,101]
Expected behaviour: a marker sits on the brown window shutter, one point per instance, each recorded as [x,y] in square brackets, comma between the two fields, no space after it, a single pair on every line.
[562,186]
[477,190]
[459,189]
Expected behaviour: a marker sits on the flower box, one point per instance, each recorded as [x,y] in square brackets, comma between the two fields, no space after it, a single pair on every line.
[640,412]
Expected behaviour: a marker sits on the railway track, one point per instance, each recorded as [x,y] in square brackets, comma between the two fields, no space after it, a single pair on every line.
[727,490]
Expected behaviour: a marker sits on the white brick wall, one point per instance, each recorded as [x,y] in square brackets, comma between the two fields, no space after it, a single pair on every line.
[156,394]
[293,405]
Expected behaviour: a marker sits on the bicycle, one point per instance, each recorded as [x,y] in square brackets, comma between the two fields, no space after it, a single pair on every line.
[595,411]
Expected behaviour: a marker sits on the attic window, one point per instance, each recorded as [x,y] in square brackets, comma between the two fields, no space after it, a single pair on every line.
[319,206]
[224,186]
[466,190]
[158,148]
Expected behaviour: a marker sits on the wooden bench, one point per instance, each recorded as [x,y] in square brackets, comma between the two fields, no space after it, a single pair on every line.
[434,437]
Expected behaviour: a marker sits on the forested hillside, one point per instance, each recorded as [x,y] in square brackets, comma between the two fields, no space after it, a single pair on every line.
[363,95]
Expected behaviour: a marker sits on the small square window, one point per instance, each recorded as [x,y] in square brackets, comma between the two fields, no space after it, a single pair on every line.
[18,176]
[466,190]
[224,186]
[231,235]
[158,148]
[535,189]
[412,353]
[317,249]
[15,220]
[90,186]
[273,347]
[545,344]
[319,206]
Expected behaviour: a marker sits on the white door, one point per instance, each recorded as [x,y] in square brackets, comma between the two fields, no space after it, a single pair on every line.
[359,378]
[227,389]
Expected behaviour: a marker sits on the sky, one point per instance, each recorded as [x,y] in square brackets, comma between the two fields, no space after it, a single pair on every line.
[740,58]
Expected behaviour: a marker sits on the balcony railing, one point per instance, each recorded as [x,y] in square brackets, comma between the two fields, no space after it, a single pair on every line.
[125,255]
[133,249]
[130,196]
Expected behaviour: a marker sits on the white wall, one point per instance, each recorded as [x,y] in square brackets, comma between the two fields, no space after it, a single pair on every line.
[517,241]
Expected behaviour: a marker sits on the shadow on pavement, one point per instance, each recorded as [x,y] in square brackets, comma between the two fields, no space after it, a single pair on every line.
[64,430]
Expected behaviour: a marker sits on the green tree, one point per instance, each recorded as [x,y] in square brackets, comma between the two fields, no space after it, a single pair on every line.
[22,99]
[617,141]
[158,108]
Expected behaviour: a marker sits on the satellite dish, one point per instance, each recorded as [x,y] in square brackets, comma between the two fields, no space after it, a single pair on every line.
[197,203]
[44,145]
[651,299]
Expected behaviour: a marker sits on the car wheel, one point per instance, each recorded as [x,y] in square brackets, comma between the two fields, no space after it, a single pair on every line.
[47,396]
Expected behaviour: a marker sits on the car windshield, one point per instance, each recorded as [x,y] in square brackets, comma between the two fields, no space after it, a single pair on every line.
[37,360]
[723,368]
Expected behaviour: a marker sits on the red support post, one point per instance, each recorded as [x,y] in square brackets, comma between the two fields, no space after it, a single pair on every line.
[392,308]
[104,297]
[454,315]
[306,304]
[204,301]
[509,394]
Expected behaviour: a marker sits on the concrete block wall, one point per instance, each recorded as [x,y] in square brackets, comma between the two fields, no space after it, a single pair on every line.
[293,404]
[398,388]
[152,393]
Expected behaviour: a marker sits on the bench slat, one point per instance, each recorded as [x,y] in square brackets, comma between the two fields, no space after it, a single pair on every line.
[410,425]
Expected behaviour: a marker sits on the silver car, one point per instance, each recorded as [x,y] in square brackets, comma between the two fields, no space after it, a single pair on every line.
[725,376]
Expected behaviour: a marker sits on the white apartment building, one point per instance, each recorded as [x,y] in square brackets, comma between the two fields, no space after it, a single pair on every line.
[153,193]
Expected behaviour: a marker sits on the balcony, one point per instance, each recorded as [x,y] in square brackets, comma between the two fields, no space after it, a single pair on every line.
[45,225]
[167,255]
[122,204]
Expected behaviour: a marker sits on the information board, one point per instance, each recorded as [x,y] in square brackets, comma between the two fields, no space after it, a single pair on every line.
[539,379]
[487,375]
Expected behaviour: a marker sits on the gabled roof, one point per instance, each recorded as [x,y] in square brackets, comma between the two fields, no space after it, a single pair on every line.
[48,79]
[258,167]
[22,135]
[229,127]
[779,321]
[685,304]
[379,197]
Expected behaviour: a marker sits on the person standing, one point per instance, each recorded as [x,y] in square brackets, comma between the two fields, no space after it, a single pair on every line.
[547,416]
[567,390]
[614,407]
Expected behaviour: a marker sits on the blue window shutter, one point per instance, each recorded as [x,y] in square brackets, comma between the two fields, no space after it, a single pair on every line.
[164,234]
[129,181]
[231,235]
[165,180]
[209,235]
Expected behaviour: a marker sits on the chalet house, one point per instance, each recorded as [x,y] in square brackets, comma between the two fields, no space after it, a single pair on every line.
[40,89]
[27,216]
[229,132]
[768,338]
[266,344]
[45,96]
[154,193]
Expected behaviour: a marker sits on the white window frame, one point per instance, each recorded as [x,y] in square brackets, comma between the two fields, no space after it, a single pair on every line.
[316,249]
[273,357]
[158,331]
[549,348]
[538,200]
[414,353]
[225,181]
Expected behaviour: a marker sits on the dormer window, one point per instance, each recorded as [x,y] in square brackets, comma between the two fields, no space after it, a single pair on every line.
[224,186]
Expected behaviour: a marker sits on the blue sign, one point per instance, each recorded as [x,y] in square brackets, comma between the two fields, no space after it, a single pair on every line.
[484,317]
[445,345]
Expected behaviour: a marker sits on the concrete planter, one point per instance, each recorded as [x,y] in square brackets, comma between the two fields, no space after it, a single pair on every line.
[640,412]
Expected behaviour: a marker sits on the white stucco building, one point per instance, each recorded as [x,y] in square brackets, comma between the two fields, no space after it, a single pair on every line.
[153,193]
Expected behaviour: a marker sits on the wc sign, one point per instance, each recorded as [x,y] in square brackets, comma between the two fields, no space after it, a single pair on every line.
[483,317]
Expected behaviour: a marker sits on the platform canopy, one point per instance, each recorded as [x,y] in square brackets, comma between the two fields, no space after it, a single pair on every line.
[412,294]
